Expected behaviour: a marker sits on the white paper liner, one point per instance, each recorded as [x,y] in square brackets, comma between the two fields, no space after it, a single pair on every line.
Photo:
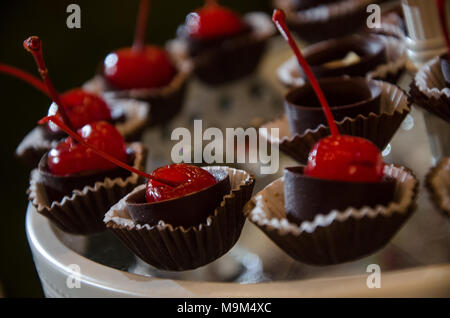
[290,75]
[66,211]
[36,140]
[430,80]
[438,183]
[266,210]
[379,128]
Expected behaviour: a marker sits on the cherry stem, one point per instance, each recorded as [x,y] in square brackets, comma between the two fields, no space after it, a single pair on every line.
[141,26]
[443,19]
[101,153]
[279,18]
[30,79]
[34,46]
[211,2]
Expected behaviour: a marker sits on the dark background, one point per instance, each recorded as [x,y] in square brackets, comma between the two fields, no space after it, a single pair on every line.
[72,56]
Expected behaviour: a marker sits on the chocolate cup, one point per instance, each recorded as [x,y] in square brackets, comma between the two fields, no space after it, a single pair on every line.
[445,67]
[341,20]
[306,197]
[347,97]
[58,187]
[187,211]
[437,196]
[230,60]
[165,102]
[372,53]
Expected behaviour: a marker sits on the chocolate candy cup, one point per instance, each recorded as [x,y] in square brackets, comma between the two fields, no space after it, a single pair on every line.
[378,128]
[165,102]
[339,236]
[58,187]
[437,182]
[370,49]
[429,91]
[445,67]
[177,248]
[347,97]
[291,75]
[129,117]
[195,207]
[306,197]
[228,62]
[81,210]
[327,21]
[226,59]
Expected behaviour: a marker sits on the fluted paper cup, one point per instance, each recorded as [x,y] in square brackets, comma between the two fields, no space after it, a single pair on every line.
[82,211]
[339,236]
[177,248]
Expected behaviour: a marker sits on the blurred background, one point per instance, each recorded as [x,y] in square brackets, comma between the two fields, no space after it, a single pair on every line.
[72,56]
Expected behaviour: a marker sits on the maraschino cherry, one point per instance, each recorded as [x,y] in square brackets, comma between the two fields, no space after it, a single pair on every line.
[169,182]
[212,21]
[337,157]
[141,66]
[78,107]
[70,157]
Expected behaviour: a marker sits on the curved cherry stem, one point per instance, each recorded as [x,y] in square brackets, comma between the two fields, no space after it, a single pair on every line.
[279,18]
[34,46]
[26,77]
[101,153]
[443,19]
[141,26]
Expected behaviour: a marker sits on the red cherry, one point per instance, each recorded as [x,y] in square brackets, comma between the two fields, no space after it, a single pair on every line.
[213,21]
[70,157]
[81,108]
[186,179]
[345,158]
[129,68]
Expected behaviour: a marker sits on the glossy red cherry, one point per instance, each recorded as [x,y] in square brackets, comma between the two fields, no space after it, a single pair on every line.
[77,107]
[129,68]
[141,66]
[81,108]
[213,21]
[345,158]
[186,179]
[70,157]
[98,148]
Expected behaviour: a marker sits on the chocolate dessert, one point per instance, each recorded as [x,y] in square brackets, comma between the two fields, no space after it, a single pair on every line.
[348,97]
